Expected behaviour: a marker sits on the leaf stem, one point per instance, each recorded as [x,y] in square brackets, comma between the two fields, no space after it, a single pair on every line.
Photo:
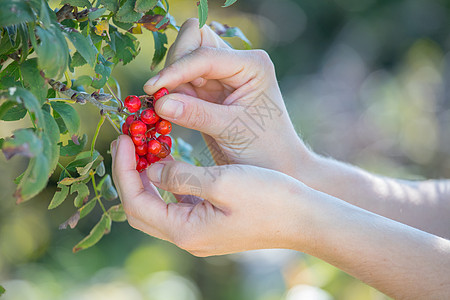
[114,95]
[91,173]
[113,124]
[99,125]
[64,169]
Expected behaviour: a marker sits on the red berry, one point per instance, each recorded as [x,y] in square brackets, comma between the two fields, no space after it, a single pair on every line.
[129,119]
[159,93]
[141,150]
[125,128]
[154,147]
[139,140]
[142,164]
[163,127]
[137,128]
[151,158]
[165,139]
[149,116]
[133,103]
[151,133]
[165,151]
[137,158]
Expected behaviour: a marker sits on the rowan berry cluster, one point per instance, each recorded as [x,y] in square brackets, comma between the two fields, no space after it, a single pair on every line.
[148,131]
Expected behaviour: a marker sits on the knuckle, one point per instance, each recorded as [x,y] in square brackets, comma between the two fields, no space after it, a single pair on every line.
[263,58]
[191,22]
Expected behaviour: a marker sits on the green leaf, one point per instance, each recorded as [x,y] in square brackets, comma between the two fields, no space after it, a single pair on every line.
[124,45]
[229,2]
[102,68]
[83,80]
[2,290]
[107,189]
[83,170]
[202,12]
[84,46]
[50,139]
[59,196]
[12,111]
[236,32]
[44,15]
[10,75]
[33,80]
[101,228]
[97,13]
[70,180]
[34,180]
[22,96]
[87,208]
[53,52]
[77,60]
[143,6]
[127,14]
[117,213]
[68,114]
[71,148]
[100,170]
[15,12]
[25,143]
[78,3]
[160,48]
[111,5]
[83,192]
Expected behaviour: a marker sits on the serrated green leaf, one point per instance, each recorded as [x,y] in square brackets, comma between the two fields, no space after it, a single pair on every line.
[59,196]
[25,143]
[83,192]
[33,80]
[12,111]
[127,14]
[84,46]
[69,115]
[87,208]
[124,46]
[229,2]
[100,170]
[111,5]
[71,148]
[15,12]
[78,3]
[160,48]
[22,96]
[77,60]
[202,12]
[117,213]
[101,228]
[97,13]
[53,52]
[34,180]
[102,68]
[106,188]
[143,6]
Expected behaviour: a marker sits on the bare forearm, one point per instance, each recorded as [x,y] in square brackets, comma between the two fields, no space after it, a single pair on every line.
[399,260]
[424,205]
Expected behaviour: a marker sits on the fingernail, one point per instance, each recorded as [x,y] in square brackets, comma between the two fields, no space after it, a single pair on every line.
[171,109]
[154,172]
[152,80]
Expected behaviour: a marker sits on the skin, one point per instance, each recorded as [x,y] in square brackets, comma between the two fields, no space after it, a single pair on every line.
[381,230]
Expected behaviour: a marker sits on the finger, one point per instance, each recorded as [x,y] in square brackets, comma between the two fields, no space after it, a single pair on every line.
[197,114]
[137,202]
[208,63]
[182,178]
[191,37]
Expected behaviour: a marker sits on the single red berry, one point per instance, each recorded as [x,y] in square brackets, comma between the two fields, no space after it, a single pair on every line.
[130,119]
[141,150]
[151,158]
[149,116]
[159,93]
[165,139]
[133,103]
[165,151]
[139,140]
[142,164]
[125,128]
[151,133]
[163,127]
[154,147]
[138,128]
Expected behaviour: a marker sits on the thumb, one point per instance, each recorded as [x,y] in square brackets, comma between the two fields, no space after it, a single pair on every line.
[185,179]
[197,114]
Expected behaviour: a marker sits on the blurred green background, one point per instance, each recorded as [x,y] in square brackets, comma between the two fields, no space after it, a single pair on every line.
[365,81]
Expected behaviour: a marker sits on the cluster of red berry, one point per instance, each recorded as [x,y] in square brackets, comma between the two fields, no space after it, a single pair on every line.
[147,130]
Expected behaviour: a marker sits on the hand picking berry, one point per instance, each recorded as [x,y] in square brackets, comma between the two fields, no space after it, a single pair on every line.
[147,130]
